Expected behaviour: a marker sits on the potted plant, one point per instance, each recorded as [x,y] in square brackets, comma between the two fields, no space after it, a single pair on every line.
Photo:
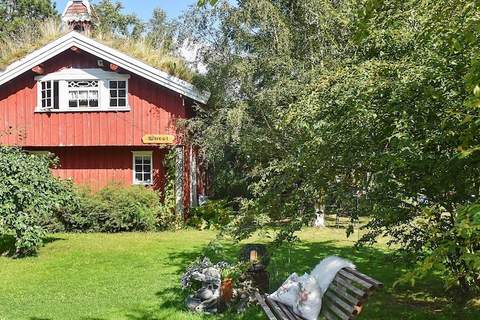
[230,275]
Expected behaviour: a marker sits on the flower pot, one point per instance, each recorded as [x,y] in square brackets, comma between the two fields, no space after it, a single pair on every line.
[226,290]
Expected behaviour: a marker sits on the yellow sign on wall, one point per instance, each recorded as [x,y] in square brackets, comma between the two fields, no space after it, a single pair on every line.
[158,139]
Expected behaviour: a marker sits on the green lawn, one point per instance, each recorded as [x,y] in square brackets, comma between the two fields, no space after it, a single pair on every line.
[136,276]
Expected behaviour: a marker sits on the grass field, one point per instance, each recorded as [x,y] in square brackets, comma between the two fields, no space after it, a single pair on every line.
[136,277]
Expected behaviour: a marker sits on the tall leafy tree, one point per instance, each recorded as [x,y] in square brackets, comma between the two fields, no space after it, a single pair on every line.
[360,105]
[160,30]
[112,20]
[15,14]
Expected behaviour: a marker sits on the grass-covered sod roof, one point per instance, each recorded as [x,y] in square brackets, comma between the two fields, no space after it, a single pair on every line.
[14,49]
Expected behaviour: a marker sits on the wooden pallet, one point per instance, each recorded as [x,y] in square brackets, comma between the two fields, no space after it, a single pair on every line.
[344,299]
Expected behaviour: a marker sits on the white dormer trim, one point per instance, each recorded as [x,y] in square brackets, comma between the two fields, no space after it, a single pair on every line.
[75,39]
[82,74]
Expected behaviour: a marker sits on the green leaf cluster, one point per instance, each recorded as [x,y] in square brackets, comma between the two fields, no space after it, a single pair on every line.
[214,214]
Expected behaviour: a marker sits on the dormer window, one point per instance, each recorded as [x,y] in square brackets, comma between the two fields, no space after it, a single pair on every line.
[73,90]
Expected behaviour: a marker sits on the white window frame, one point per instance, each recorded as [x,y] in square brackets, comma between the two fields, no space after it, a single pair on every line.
[117,90]
[50,90]
[134,178]
[103,77]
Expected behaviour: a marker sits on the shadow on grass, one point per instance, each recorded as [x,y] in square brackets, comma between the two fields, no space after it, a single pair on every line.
[7,247]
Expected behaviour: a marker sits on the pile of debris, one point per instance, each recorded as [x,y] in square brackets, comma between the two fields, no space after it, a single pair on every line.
[205,279]
[209,294]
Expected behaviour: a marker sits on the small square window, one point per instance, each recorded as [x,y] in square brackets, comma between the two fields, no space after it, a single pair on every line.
[118,93]
[147,178]
[142,168]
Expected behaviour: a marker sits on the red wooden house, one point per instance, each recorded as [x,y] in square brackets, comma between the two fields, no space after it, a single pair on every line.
[107,116]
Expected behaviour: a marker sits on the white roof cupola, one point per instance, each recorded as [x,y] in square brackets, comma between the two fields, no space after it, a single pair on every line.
[78,16]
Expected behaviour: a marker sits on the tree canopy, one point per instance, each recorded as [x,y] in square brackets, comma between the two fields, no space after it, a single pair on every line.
[111,19]
[361,105]
[15,14]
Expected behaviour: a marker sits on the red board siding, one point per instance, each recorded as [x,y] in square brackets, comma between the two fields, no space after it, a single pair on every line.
[100,166]
[154,110]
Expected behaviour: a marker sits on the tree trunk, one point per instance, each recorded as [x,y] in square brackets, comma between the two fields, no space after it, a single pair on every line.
[320,212]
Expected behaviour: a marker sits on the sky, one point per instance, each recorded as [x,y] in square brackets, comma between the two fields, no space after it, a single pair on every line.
[144,8]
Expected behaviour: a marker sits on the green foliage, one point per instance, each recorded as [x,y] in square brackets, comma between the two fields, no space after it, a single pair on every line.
[29,196]
[214,214]
[361,105]
[167,217]
[204,2]
[113,209]
[33,202]
[160,30]
[452,249]
[16,14]
[236,271]
[111,19]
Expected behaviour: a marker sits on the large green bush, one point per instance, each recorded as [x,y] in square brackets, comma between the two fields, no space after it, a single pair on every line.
[113,209]
[34,202]
[29,195]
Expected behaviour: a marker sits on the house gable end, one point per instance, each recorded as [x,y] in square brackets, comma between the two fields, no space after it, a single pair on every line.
[74,39]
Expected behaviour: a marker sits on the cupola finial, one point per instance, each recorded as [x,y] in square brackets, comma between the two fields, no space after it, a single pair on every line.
[78,16]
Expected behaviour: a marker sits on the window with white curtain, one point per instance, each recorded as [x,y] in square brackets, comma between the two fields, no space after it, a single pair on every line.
[83,94]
